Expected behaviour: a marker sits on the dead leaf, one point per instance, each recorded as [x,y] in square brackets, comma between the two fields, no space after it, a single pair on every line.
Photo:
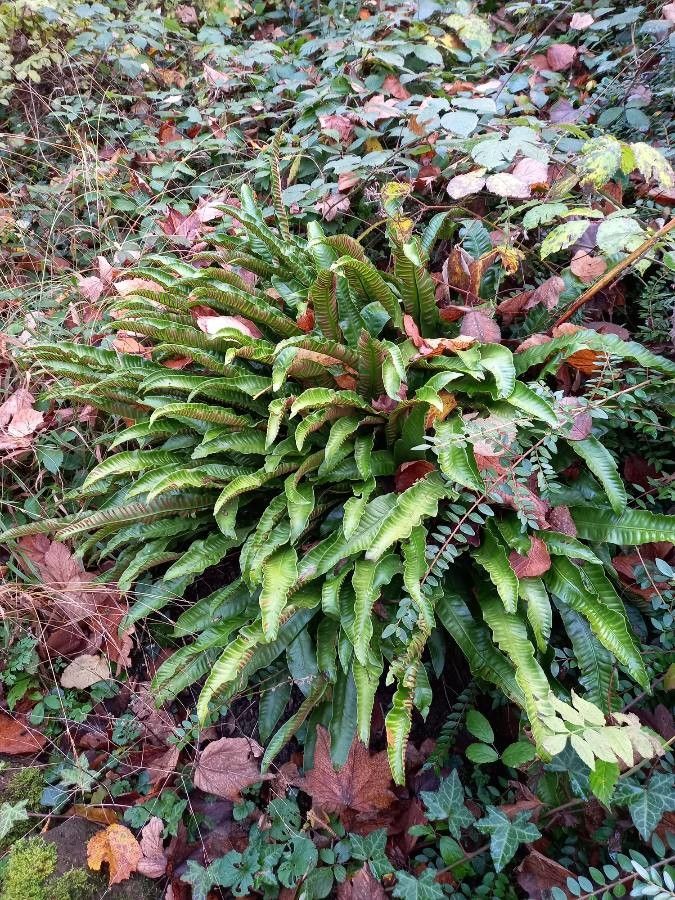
[560,57]
[391,85]
[332,206]
[463,185]
[18,420]
[16,737]
[586,361]
[587,267]
[153,862]
[409,472]
[505,185]
[361,886]
[342,125]
[547,294]
[530,171]
[378,108]
[534,563]
[90,287]
[214,324]
[84,671]
[102,815]
[126,286]
[117,847]
[158,724]
[227,766]
[478,325]
[186,14]
[537,874]
[581,21]
[360,788]
[434,346]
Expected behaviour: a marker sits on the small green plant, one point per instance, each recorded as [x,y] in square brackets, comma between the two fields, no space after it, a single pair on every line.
[353,451]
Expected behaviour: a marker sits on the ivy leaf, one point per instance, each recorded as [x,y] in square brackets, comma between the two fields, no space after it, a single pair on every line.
[10,815]
[370,848]
[423,888]
[448,803]
[649,802]
[603,780]
[506,835]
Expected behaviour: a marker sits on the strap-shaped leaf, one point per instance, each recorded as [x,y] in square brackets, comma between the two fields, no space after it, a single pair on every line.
[132,461]
[565,545]
[222,604]
[596,664]
[632,527]
[342,726]
[398,723]
[372,356]
[300,500]
[584,339]
[367,581]
[492,557]
[601,463]
[414,568]
[203,412]
[418,502]
[455,458]
[323,296]
[539,612]
[340,432]
[290,727]
[418,293]
[201,554]
[228,666]
[280,572]
[608,624]
[318,397]
[368,285]
[525,399]
[366,679]
[498,361]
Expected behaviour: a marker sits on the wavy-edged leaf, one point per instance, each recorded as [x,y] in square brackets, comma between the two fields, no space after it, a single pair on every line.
[454,456]
[594,661]
[601,463]
[300,501]
[289,728]
[222,604]
[366,679]
[340,432]
[414,569]
[323,296]
[539,612]
[398,723]
[632,527]
[416,503]
[418,293]
[280,573]
[498,361]
[368,285]
[201,554]
[367,581]
[492,557]
[342,726]
[529,402]
[132,461]
[203,412]
[228,666]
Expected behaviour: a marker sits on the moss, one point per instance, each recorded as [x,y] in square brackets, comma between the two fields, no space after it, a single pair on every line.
[29,865]
[26,784]
[27,875]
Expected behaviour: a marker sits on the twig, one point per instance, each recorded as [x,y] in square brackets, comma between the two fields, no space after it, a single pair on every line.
[614,273]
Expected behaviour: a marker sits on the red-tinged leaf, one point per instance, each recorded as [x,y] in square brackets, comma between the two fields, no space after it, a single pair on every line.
[391,85]
[478,325]
[587,267]
[346,181]
[505,185]
[537,875]
[434,346]
[227,766]
[581,21]
[560,519]
[410,472]
[378,108]
[127,286]
[16,737]
[153,862]
[18,420]
[361,788]
[343,125]
[534,340]
[547,294]
[306,320]
[118,848]
[560,57]
[332,206]
[186,14]
[90,287]
[534,563]
[361,886]
[464,185]
[530,171]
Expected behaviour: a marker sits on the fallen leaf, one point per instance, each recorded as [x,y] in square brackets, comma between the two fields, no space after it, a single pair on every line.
[530,171]
[505,185]
[342,125]
[668,12]
[332,206]
[153,862]
[361,886]
[391,85]
[560,57]
[186,14]
[227,766]
[360,787]
[102,815]
[117,847]
[587,267]
[586,361]
[90,287]
[214,324]
[434,346]
[16,737]
[409,472]
[463,185]
[84,671]
[378,108]
[18,420]
[534,563]
[126,286]
[478,325]
[158,724]
[547,294]
[537,874]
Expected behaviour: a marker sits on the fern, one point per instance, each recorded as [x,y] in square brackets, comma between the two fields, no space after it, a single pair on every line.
[346,471]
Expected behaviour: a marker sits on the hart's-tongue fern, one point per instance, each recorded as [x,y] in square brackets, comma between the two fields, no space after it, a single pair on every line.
[337,466]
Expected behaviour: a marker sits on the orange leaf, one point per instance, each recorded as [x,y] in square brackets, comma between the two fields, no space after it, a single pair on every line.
[227,766]
[102,815]
[17,737]
[117,847]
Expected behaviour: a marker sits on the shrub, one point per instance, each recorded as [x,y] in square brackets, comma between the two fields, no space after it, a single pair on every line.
[376,475]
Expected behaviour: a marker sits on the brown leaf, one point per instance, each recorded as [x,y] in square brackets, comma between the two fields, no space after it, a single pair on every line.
[158,724]
[343,125]
[534,563]
[332,206]
[153,862]
[361,886]
[214,324]
[84,671]
[410,472]
[391,85]
[127,286]
[547,294]
[186,14]
[537,874]
[18,420]
[478,325]
[117,847]
[90,287]
[463,185]
[560,57]
[63,575]
[16,737]
[378,108]
[102,815]
[586,361]
[587,267]
[560,519]
[434,346]
[361,786]
[227,766]
[581,21]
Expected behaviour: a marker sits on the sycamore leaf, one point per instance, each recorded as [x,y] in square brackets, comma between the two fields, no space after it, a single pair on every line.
[117,847]
[227,766]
